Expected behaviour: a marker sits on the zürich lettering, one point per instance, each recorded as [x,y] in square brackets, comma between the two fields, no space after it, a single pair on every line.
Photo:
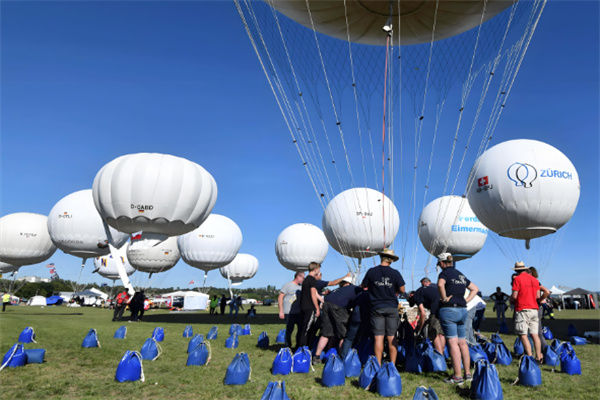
[552,173]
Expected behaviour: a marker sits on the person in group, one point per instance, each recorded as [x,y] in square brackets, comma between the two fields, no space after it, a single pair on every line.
[525,296]
[479,315]
[543,290]
[359,322]
[136,306]
[500,299]
[214,302]
[251,312]
[471,312]
[236,303]
[287,296]
[336,312]
[384,283]
[452,285]
[427,297]
[309,305]
[223,303]
[294,320]
[120,302]
[5,301]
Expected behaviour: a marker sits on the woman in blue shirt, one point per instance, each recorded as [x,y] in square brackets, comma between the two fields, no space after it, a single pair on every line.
[453,315]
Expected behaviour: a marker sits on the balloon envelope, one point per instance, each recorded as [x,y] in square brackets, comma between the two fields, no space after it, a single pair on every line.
[24,239]
[212,245]
[107,267]
[300,244]
[154,193]
[523,189]
[449,225]
[362,21]
[243,266]
[360,222]
[75,227]
[6,268]
[152,253]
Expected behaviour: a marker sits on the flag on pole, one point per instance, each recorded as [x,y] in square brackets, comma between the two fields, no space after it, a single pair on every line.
[191,282]
[50,265]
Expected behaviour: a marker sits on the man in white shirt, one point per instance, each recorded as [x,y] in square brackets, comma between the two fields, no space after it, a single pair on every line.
[287,295]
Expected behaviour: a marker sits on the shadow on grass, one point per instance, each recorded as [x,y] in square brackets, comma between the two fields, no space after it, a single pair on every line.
[201,318]
[53,314]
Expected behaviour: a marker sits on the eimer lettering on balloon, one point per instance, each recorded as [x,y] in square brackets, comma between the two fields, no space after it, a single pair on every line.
[458,228]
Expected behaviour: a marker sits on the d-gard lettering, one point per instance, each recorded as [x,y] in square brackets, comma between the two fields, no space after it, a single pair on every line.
[142,207]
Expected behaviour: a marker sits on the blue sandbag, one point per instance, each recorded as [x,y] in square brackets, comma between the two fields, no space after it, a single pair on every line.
[263,340]
[91,339]
[368,373]
[433,360]
[27,335]
[212,334]
[547,333]
[365,349]
[423,393]
[247,330]
[352,364]
[14,357]
[35,356]
[150,349]
[275,391]
[333,372]
[518,347]
[280,337]
[569,363]
[414,361]
[158,334]
[578,341]
[282,365]
[388,381]
[200,355]
[476,353]
[571,331]
[551,358]
[194,342]
[233,328]
[329,353]
[486,382]
[496,339]
[130,368]
[503,356]
[529,372]
[302,360]
[120,333]
[232,341]
[238,372]
[503,328]
[188,331]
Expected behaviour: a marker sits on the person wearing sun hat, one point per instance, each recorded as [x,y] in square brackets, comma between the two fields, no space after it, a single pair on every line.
[384,283]
[525,296]
[452,285]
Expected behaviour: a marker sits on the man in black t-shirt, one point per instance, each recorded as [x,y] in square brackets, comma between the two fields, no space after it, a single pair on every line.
[309,305]
[428,297]
[384,283]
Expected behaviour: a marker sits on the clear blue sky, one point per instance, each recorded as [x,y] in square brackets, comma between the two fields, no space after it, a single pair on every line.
[85,82]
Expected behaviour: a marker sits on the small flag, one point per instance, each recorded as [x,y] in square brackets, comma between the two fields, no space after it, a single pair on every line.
[50,265]
[136,237]
[52,270]
[191,282]
[483,181]
[104,284]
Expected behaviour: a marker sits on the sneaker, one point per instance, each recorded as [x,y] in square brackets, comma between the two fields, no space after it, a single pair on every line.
[316,360]
[469,378]
[454,381]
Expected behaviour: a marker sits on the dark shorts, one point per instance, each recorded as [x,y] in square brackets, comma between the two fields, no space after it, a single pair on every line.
[434,327]
[385,321]
[333,320]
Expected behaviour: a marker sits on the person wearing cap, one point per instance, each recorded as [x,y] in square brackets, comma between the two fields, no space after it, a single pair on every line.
[525,296]
[336,312]
[452,285]
[384,283]
[428,297]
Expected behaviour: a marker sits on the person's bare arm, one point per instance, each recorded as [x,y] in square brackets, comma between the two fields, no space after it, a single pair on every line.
[474,289]
[421,317]
[314,294]
[545,293]
[513,297]
[337,281]
[280,305]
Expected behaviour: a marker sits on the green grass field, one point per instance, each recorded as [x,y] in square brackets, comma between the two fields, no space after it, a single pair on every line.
[72,372]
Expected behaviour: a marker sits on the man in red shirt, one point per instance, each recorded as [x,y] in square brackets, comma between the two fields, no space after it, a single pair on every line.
[525,295]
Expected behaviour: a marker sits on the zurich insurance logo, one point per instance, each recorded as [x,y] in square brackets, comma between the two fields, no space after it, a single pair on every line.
[522,174]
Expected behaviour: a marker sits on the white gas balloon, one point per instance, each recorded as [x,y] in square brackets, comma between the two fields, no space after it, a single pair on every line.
[148,252]
[75,227]
[448,225]
[213,245]
[154,193]
[243,266]
[106,266]
[6,268]
[360,222]
[300,244]
[523,189]
[24,239]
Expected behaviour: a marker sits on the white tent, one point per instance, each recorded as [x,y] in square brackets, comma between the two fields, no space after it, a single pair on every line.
[92,296]
[191,300]
[37,301]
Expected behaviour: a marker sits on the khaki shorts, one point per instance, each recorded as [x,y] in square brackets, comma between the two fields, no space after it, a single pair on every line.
[527,322]
[434,327]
